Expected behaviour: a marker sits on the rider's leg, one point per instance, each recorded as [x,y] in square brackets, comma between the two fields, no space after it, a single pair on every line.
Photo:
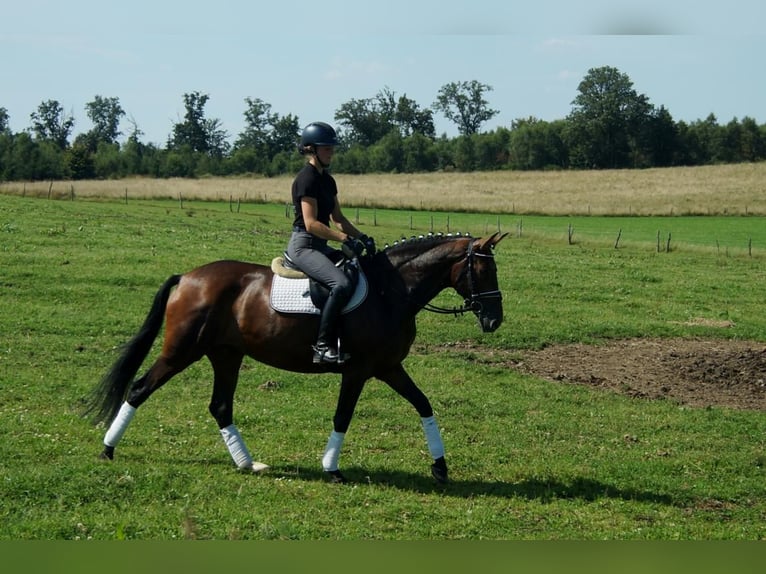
[327,348]
[311,256]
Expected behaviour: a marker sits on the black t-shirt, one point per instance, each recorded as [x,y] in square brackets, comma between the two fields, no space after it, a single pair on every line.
[320,186]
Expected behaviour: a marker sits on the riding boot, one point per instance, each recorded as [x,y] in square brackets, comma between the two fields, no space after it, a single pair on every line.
[326,349]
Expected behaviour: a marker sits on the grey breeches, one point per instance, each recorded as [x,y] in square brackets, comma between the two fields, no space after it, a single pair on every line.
[310,254]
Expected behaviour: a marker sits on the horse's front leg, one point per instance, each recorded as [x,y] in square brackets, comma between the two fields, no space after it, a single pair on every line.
[398,379]
[350,389]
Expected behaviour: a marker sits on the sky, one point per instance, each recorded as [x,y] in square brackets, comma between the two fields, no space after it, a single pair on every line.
[307,58]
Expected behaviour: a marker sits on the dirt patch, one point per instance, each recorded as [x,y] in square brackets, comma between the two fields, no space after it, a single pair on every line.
[691,372]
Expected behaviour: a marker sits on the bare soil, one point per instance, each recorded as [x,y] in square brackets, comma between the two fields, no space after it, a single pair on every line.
[693,372]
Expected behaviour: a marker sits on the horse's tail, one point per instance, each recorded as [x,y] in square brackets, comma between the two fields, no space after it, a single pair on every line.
[111,392]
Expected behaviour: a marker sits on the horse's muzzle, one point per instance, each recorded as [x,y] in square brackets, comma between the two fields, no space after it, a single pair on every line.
[490,317]
[489,310]
[490,324]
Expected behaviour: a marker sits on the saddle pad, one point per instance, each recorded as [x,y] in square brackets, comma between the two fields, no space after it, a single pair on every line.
[292,295]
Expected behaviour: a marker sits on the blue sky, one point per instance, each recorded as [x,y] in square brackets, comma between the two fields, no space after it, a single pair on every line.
[308,58]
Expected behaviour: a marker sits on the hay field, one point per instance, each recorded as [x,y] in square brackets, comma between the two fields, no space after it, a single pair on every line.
[711,190]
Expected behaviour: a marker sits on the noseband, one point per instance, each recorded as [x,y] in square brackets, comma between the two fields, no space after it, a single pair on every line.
[472,303]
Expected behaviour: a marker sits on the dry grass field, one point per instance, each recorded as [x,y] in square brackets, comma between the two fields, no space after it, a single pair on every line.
[711,190]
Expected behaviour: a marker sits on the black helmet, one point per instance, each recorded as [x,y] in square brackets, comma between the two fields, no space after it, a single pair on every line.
[318,133]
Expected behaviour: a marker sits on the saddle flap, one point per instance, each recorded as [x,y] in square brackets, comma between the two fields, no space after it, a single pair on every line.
[294,295]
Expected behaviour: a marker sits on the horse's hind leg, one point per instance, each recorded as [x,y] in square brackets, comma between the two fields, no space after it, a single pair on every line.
[226,363]
[157,375]
[402,383]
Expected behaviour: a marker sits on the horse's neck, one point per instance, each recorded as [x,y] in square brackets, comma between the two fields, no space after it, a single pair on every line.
[424,274]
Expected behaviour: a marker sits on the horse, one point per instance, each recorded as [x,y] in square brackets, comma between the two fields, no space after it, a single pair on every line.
[222,311]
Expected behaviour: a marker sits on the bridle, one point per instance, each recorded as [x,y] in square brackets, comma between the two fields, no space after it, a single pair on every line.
[474,302]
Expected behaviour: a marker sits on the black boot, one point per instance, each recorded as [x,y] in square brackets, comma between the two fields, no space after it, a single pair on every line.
[326,349]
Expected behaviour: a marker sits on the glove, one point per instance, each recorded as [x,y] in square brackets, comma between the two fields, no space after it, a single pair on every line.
[369,244]
[352,247]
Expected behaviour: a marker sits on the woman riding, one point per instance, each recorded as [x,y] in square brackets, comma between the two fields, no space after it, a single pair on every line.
[315,203]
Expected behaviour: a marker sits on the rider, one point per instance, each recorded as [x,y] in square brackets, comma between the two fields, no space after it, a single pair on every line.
[315,204]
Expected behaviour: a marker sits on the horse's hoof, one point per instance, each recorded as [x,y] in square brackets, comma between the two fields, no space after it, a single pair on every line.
[439,470]
[335,476]
[107,453]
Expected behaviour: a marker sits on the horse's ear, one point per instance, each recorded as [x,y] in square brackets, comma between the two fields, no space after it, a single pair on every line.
[499,237]
[489,242]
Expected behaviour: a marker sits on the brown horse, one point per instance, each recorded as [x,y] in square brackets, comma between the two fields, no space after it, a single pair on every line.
[222,310]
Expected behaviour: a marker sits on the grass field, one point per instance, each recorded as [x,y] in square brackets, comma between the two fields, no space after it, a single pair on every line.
[530,459]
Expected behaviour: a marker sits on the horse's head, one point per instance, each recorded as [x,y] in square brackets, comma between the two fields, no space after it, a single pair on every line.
[476,282]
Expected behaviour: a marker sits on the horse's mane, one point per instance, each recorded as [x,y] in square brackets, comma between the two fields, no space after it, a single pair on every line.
[420,241]
[406,249]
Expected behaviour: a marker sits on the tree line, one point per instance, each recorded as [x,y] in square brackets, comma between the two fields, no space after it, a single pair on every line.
[610,126]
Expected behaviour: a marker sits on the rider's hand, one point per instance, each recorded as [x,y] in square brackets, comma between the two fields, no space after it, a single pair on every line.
[352,247]
[369,244]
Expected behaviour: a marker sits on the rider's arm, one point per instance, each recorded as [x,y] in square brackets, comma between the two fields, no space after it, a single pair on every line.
[343,223]
[345,228]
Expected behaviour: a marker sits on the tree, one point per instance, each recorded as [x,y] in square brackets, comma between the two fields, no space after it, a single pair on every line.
[419,154]
[258,117]
[51,124]
[607,119]
[463,103]
[4,122]
[752,143]
[368,121]
[536,144]
[409,117]
[283,135]
[662,141]
[266,136]
[105,113]
[364,122]
[265,132]
[197,133]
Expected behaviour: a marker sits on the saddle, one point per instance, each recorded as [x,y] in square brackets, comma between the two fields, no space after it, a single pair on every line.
[292,291]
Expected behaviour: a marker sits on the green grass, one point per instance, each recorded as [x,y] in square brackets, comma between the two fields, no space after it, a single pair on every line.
[529,459]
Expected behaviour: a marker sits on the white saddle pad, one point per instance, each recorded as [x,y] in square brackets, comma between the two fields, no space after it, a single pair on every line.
[292,295]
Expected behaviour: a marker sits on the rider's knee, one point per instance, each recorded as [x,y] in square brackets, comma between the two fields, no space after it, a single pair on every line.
[343,288]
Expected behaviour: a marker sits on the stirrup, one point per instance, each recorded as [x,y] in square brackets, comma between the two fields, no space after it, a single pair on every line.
[324,354]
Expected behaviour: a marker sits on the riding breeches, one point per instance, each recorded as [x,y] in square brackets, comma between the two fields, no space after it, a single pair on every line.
[312,256]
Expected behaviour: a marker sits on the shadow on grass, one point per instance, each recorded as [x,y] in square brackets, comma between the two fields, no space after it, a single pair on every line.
[540,489]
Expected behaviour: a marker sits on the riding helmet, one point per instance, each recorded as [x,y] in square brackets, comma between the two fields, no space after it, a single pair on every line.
[318,133]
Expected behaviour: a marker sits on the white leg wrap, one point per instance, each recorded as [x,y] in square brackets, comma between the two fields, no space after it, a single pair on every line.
[237,447]
[433,437]
[332,451]
[119,425]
